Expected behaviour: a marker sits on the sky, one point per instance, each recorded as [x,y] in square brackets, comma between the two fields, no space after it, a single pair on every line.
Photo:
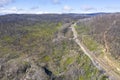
[58,6]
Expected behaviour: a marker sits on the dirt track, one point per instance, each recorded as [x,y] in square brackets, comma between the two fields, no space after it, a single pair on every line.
[101,63]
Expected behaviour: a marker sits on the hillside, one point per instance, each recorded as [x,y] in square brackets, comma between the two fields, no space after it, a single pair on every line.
[100,35]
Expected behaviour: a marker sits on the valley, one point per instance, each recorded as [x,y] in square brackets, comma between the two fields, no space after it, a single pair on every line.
[59,47]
